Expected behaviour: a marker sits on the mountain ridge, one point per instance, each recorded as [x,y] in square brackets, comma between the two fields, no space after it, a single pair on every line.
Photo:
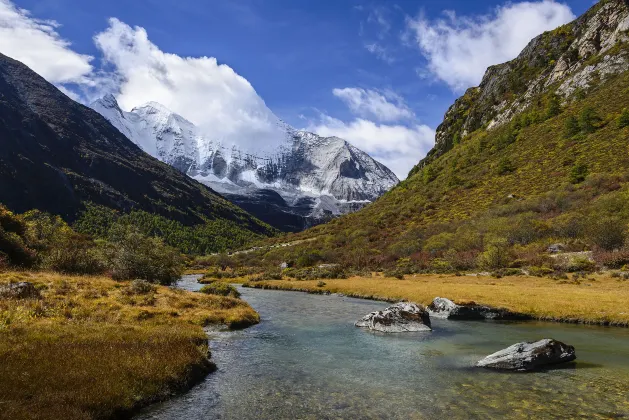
[563,57]
[57,155]
[332,175]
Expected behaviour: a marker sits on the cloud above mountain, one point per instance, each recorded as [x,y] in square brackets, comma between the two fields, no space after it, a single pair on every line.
[459,49]
[37,44]
[383,106]
[386,130]
[211,95]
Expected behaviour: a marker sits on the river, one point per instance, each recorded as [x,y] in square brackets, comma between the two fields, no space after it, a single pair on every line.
[306,360]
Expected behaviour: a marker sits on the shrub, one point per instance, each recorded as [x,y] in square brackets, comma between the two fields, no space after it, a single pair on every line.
[217,275]
[141,287]
[540,271]
[553,107]
[13,246]
[497,255]
[135,256]
[578,173]
[612,259]
[394,273]
[623,119]
[608,233]
[505,166]
[321,284]
[60,248]
[571,127]
[588,120]
[220,289]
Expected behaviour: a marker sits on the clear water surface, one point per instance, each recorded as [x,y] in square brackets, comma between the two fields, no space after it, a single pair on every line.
[306,360]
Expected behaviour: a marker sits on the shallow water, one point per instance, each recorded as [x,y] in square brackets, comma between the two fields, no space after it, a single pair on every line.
[306,360]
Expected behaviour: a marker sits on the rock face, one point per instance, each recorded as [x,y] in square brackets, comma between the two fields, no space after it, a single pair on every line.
[530,356]
[302,180]
[570,58]
[446,309]
[401,317]
[21,290]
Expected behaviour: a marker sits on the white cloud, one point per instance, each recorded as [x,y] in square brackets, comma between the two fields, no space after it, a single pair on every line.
[381,52]
[37,44]
[399,147]
[382,106]
[209,94]
[459,49]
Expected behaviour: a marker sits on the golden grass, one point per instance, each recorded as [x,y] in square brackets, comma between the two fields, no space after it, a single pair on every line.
[90,348]
[600,299]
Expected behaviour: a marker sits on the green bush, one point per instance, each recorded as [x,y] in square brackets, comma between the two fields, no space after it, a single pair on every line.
[505,166]
[134,256]
[220,289]
[578,173]
[141,287]
[59,248]
[14,250]
[571,127]
[588,120]
[497,255]
[623,119]
[609,232]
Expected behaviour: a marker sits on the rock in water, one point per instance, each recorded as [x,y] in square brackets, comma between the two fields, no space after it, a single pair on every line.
[530,356]
[21,290]
[446,309]
[401,317]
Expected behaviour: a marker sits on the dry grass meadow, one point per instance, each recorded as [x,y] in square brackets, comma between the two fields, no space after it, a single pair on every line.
[598,299]
[93,348]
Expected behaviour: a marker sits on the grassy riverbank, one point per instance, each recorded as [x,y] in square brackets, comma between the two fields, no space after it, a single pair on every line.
[91,347]
[597,299]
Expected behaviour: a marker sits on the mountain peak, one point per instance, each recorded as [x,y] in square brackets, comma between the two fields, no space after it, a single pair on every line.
[153,107]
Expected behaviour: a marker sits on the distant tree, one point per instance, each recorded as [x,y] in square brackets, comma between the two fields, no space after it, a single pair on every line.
[553,108]
[571,127]
[608,233]
[578,173]
[429,174]
[588,120]
[505,166]
[623,119]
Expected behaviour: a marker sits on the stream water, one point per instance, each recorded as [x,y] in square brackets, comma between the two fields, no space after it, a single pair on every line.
[306,360]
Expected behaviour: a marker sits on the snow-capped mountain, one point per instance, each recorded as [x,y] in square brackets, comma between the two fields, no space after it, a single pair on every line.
[316,177]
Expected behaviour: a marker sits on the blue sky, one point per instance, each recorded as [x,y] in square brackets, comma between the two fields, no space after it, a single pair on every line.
[362,69]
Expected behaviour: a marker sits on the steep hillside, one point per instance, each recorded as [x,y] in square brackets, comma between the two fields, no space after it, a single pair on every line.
[537,155]
[56,155]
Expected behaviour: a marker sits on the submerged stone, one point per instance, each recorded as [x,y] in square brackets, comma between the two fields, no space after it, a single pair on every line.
[529,356]
[401,317]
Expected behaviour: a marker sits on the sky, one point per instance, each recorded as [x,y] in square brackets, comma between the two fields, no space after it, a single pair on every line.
[378,73]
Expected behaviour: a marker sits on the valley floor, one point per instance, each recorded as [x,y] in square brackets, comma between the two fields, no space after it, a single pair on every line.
[597,299]
[91,347]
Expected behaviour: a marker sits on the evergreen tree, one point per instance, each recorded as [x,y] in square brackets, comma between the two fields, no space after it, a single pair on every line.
[623,119]
[553,108]
[578,173]
[588,120]
[571,128]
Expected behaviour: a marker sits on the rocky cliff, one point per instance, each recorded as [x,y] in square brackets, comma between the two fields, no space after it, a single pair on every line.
[565,61]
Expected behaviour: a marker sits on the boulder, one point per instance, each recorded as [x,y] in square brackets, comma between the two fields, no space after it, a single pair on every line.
[21,290]
[446,309]
[530,356]
[401,317]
